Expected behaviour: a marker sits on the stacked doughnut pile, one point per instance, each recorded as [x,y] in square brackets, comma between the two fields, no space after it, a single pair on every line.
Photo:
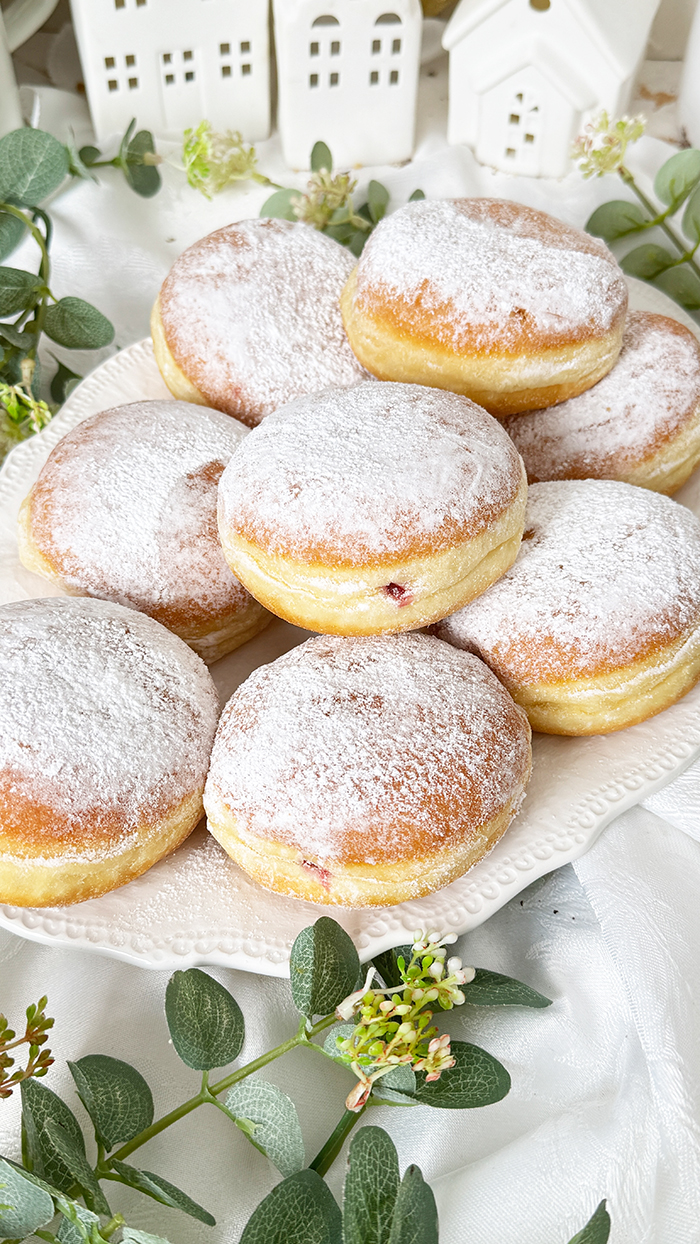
[398,408]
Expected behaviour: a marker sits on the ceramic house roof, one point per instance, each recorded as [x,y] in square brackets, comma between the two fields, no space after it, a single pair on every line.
[619,27]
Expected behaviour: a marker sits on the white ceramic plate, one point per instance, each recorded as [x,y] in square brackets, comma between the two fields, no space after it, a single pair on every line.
[199,907]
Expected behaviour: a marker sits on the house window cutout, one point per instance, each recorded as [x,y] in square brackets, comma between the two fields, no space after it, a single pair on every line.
[376,46]
[510,152]
[314,49]
[326,20]
[245,47]
[529,138]
[514,118]
[133,83]
[335,48]
[519,98]
[246,70]
[396,47]
[140,4]
[394,77]
[225,49]
[167,58]
[226,71]
[187,55]
[109,62]
[120,4]
[391,19]
[540,6]
[189,76]
[313,79]
[113,85]
[129,61]
[374,78]
[334,79]
[170,79]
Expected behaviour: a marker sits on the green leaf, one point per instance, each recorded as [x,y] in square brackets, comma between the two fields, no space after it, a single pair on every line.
[377,200]
[28,1207]
[205,1022]
[330,1043]
[691,217]
[277,1131]
[417,196]
[323,967]
[300,1210]
[77,325]
[492,989]
[616,220]
[679,283]
[371,1187]
[677,177]
[69,1232]
[11,234]
[477,1079]
[357,242]
[23,341]
[399,1085]
[115,1096]
[279,205]
[76,166]
[387,965]
[415,1215]
[321,158]
[32,165]
[88,155]
[647,261]
[72,1155]
[63,383]
[141,1237]
[596,1230]
[160,1190]
[16,288]
[39,1107]
[143,178]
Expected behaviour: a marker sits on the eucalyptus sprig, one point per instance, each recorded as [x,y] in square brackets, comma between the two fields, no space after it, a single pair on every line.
[328,203]
[35,1035]
[600,150]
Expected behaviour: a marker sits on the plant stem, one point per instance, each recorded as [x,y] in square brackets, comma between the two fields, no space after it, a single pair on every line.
[661,222]
[44,272]
[326,1156]
[301,1038]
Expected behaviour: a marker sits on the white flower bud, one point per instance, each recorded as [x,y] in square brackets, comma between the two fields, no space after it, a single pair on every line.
[469,974]
[453,965]
[435,970]
[449,939]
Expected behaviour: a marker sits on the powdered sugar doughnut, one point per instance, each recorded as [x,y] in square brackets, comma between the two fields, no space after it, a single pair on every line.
[106,726]
[492,299]
[125,509]
[248,319]
[640,423]
[365,772]
[372,509]
[597,625]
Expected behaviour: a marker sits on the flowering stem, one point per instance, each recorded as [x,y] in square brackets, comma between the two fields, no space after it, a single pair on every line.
[660,221]
[326,1156]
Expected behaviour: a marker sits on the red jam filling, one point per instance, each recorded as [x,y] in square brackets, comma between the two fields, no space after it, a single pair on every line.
[322,873]
[400,594]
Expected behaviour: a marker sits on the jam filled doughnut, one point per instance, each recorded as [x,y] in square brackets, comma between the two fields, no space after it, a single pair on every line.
[639,424]
[125,509]
[597,625]
[365,772]
[487,298]
[248,319]
[106,727]
[372,509]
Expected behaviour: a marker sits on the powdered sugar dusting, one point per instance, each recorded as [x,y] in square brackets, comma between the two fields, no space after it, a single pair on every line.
[606,574]
[103,713]
[251,314]
[647,398]
[370,472]
[495,273]
[126,509]
[369,749]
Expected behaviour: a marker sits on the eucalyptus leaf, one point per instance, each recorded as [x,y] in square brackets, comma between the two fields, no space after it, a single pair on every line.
[143,178]
[279,205]
[11,233]
[596,1230]
[76,166]
[161,1190]
[115,1096]
[357,242]
[63,383]
[278,1131]
[69,1232]
[399,1085]
[330,1043]
[371,1187]
[77,325]
[477,1079]
[647,261]
[377,200]
[677,177]
[417,196]
[23,1206]
[387,965]
[32,165]
[415,1214]
[41,1106]
[323,968]
[205,1021]
[616,219]
[89,154]
[72,1155]
[300,1210]
[16,288]
[141,1237]
[493,989]
[679,283]
[321,158]
[22,340]
[691,217]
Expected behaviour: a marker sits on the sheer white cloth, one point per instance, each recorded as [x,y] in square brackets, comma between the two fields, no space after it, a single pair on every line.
[606,1083]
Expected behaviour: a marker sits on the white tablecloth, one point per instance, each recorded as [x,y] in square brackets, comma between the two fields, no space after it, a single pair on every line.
[606,1083]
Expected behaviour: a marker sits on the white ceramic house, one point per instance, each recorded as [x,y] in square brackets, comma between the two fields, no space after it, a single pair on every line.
[173,63]
[525,75]
[347,76]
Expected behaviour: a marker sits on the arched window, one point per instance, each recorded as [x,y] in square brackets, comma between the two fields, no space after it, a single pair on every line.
[327,20]
[388,19]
